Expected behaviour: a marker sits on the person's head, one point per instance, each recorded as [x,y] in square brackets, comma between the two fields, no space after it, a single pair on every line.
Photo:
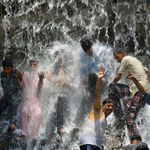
[60,56]
[142,147]
[135,138]
[86,44]
[7,66]
[107,106]
[33,65]
[119,53]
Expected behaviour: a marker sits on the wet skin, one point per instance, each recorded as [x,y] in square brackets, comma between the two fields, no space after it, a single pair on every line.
[119,57]
[108,108]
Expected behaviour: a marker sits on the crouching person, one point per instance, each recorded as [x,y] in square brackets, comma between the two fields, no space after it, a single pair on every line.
[95,126]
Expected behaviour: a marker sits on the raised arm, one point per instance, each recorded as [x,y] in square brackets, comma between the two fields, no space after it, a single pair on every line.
[41,76]
[97,100]
[138,85]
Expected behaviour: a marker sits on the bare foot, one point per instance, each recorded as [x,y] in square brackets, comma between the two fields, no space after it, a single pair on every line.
[12,126]
[17,138]
[61,131]
[25,137]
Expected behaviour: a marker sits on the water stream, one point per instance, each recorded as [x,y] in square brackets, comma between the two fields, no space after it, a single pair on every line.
[36,29]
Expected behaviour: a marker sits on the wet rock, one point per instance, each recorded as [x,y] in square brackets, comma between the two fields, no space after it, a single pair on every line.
[102,36]
[69,10]
[130,45]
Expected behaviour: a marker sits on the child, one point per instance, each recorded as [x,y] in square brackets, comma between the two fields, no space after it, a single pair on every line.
[31,109]
[60,77]
[10,80]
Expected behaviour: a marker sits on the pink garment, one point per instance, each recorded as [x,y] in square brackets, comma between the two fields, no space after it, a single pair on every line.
[31,109]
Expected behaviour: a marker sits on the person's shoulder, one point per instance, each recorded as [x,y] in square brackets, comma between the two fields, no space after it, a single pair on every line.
[82,53]
[82,56]
[128,147]
[14,71]
[127,57]
[143,143]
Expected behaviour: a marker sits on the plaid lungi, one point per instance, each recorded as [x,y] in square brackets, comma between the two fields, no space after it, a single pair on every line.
[130,106]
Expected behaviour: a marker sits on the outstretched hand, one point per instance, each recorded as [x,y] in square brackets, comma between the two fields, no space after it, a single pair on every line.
[41,75]
[130,76]
[19,75]
[100,73]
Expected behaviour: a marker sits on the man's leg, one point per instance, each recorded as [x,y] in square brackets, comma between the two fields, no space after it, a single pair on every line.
[61,112]
[12,112]
[50,126]
[36,125]
[119,93]
[136,103]
[25,119]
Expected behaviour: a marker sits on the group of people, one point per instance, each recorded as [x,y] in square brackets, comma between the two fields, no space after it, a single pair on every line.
[22,87]
[124,100]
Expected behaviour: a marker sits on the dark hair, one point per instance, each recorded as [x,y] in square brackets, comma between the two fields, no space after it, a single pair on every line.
[136,137]
[107,100]
[86,43]
[142,147]
[7,63]
[118,51]
[33,61]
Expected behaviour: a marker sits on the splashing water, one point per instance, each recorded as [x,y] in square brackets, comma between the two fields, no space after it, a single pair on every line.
[38,28]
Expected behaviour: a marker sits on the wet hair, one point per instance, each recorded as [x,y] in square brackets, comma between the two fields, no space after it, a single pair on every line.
[142,147]
[86,43]
[107,100]
[118,51]
[7,63]
[33,61]
[136,137]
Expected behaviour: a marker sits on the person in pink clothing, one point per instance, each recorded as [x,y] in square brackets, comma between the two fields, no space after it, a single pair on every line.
[31,108]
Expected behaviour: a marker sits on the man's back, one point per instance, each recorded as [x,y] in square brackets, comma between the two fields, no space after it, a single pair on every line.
[136,68]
